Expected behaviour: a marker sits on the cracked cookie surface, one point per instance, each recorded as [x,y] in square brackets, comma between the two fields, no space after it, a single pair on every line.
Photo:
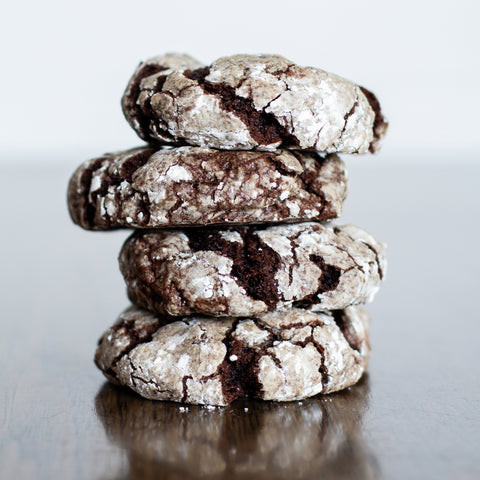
[280,356]
[246,102]
[243,271]
[147,187]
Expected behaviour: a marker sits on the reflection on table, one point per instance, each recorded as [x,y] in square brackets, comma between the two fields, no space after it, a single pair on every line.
[314,438]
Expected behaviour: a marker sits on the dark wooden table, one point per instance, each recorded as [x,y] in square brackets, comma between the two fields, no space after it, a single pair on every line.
[415,415]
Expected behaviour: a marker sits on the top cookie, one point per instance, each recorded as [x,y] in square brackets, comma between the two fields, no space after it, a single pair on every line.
[247,102]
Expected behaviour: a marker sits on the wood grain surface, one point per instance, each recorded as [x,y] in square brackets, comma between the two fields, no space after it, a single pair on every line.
[415,415]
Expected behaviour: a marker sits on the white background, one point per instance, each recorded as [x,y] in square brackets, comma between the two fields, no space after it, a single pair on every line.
[65,65]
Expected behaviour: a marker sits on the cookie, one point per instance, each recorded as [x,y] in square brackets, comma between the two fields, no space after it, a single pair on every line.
[249,102]
[244,271]
[147,187]
[280,356]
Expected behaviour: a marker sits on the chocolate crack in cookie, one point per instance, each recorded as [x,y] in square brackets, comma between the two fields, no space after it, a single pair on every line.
[243,271]
[246,102]
[147,188]
[280,356]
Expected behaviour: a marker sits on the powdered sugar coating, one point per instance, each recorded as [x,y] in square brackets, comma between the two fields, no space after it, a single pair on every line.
[147,188]
[251,102]
[280,356]
[246,271]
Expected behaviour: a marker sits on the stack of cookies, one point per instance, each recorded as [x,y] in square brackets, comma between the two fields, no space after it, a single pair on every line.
[240,286]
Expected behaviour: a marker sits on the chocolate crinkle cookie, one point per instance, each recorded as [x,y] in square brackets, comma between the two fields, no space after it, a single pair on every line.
[280,356]
[240,285]
[246,102]
[244,271]
[150,187]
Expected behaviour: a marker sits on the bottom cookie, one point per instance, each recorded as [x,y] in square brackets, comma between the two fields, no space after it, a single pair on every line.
[281,356]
